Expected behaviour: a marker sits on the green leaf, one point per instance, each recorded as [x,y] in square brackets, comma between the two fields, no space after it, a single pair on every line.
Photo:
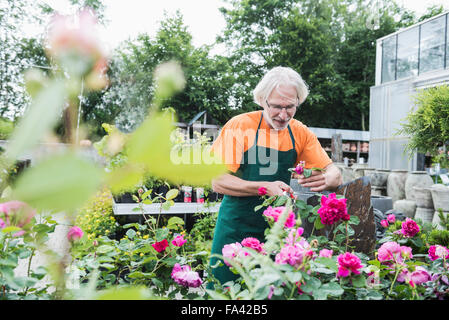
[131,233]
[150,145]
[171,194]
[173,222]
[104,248]
[61,183]
[167,205]
[318,225]
[216,295]
[307,173]
[125,293]
[11,229]
[359,281]
[39,119]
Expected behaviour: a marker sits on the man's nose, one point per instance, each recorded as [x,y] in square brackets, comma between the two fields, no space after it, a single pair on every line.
[283,114]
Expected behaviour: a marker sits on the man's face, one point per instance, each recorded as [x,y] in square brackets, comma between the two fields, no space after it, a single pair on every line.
[280,106]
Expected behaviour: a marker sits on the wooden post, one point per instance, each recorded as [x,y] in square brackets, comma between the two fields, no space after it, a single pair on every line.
[337,148]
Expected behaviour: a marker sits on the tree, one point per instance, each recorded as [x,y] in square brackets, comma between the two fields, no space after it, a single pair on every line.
[208,80]
[331,43]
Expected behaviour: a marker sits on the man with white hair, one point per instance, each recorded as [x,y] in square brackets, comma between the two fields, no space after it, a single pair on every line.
[258,148]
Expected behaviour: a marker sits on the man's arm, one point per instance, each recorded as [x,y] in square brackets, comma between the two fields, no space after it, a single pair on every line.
[330,179]
[235,186]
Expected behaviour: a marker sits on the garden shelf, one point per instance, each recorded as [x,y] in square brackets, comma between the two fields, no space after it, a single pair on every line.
[155,208]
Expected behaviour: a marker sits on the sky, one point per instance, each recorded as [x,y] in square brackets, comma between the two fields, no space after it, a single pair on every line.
[204,21]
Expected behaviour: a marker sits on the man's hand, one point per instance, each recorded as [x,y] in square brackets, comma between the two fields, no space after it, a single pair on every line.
[277,188]
[328,179]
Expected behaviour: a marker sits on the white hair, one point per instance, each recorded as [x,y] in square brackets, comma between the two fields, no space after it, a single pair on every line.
[280,76]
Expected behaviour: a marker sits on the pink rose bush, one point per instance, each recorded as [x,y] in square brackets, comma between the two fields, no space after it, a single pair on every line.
[332,209]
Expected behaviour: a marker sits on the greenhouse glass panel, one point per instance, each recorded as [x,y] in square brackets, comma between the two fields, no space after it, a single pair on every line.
[388,59]
[447,41]
[432,45]
[408,48]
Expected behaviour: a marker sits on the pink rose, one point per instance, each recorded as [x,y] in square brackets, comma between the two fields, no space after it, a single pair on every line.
[75,233]
[295,254]
[275,212]
[294,235]
[348,264]
[384,223]
[391,218]
[185,276]
[438,251]
[253,243]
[409,228]
[2,223]
[17,213]
[178,241]
[389,251]
[420,275]
[160,246]
[326,253]
[262,191]
[300,167]
[231,251]
[332,209]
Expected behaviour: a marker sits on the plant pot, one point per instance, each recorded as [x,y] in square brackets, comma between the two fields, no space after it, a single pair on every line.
[379,177]
[440,196]
[381,203]
[416,179]
[378,191]
[436,219]
[407,207]
[424,214]
[423,197]
[396,184]
[126,197]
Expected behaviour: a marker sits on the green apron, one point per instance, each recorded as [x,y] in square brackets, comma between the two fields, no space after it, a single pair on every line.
[236,218]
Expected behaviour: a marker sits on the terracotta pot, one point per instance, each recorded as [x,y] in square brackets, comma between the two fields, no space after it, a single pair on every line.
[423,198]
[353,147]
[424,214]
[416,179]
[407,207]
[396,184]
[440,196]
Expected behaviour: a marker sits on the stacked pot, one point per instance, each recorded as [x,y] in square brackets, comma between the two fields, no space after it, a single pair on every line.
[440,197]
[378,178]
[420,180]
[424,204]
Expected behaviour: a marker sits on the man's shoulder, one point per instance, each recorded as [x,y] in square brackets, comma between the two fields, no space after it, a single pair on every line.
[244,120]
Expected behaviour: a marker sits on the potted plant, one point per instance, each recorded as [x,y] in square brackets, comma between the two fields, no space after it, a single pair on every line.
[427,125]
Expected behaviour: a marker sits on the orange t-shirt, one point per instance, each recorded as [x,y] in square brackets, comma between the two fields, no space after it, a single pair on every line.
[238,135]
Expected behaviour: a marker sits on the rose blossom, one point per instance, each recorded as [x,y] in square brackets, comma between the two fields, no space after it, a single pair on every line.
[332,209]
[348,263]
[262,191]
[326,253]
[294,236]
[16,213]
[438,251]
[391,252]
[295,254]
[160,246]
[231,251]
[2,223]
[300,167]
[185,276]
[420,275]
[75,233]
[275,213]
[178,241]
[384,223]
[391,218]
[409,228]
[253,243]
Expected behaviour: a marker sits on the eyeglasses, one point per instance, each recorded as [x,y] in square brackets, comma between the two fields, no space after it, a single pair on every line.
[277,108]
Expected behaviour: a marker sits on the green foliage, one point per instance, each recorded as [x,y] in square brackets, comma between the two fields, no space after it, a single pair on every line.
[427,125]
[96,218]
[6,127]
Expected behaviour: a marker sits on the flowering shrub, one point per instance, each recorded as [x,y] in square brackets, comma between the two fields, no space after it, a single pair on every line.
[289,266]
